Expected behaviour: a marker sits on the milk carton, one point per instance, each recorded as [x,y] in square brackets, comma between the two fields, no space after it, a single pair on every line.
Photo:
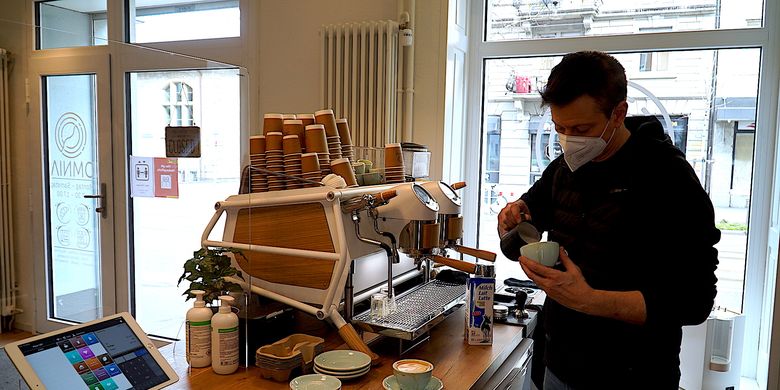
[479,317]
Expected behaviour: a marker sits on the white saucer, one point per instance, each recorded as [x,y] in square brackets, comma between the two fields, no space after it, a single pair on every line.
[342,376]
[342,360]
[390,383]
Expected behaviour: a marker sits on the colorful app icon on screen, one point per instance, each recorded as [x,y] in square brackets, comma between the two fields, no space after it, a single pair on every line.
[90,338]
[105,359]
[113,369]
[86,353]
[77,342]
[81,367]
[73,356]
[101,374]
[109,384]
[89,378]
[96,386]
[93,364]
[65,346]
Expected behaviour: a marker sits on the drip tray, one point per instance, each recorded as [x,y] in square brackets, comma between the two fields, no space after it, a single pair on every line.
[418,310]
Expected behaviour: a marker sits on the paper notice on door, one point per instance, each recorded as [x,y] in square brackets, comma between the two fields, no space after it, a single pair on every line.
[166,177]
[141,177]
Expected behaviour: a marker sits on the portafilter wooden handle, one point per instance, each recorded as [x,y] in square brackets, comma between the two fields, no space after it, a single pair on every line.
[384,196]
[478,253]
[350,336]
[458,185]
[457,264]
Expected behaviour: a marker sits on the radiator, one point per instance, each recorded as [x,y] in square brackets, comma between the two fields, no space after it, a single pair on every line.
[360,81]
[7,279]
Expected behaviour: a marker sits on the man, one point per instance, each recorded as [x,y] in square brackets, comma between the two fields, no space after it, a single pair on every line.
[636,230]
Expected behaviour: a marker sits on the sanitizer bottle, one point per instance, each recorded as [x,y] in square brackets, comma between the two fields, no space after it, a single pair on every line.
[224,338]
[199,332]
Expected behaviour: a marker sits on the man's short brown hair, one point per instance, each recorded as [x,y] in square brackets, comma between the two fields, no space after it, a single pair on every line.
[592,73]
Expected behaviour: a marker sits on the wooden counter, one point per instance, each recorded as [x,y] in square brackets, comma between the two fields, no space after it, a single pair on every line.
[457,364]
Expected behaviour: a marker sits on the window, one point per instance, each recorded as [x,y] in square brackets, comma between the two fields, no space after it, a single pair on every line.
[534,19]
[178,104]
[182,20]
[70,23]
[710,91]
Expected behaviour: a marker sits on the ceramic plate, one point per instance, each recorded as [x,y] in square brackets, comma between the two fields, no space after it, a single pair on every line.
[342,360]
[315,381]
[343,375]
[391,384]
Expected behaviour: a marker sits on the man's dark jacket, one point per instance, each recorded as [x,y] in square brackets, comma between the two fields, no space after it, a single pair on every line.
[637,221]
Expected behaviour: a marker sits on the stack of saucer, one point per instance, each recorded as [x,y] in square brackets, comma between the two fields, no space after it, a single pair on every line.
[347,150]
[316,143]
[394,163]
[310,165]
[274,160]
[342,364]
[292,160]
[258,179]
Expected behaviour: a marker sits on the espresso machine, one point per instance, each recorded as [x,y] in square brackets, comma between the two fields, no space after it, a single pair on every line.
[300,246]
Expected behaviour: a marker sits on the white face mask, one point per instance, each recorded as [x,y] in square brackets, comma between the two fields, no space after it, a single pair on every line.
[579,150]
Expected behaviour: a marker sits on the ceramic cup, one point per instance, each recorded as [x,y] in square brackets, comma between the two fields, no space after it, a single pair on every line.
[359,168]
[412,374]
[545,252]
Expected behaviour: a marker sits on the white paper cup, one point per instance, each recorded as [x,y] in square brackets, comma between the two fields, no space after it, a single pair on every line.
[545,252]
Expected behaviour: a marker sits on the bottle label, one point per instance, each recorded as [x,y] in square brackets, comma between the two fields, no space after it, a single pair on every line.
[198,339]
[228,346]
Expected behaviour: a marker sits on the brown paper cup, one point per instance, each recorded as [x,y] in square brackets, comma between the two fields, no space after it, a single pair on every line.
[344,134]
[315,139]
[291,144]
[394,157]
[307,119]
[310,162]
[272,123]
[288,117]
[343,168]
[257,144]
[273,141]
[327,119]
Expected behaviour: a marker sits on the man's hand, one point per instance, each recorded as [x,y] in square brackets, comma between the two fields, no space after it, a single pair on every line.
[568,288]
[512,214]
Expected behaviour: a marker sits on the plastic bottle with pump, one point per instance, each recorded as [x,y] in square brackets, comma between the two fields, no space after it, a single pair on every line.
[199,332]
[224,338]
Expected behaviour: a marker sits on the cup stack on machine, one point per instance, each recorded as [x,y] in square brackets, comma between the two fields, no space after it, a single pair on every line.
[258,177]
[311,146]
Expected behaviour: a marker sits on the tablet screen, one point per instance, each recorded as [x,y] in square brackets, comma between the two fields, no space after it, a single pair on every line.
[103,356]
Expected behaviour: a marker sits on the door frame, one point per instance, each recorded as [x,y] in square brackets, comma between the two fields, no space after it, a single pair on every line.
[62,62]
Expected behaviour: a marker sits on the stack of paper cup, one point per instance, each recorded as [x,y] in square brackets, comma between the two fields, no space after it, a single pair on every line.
[328,120]
[295,127]
[343,168]
[292,160]
[316,143]
[272,123]
[347,150]
[310,166]
[274,160]
[288,117]
[258,181]
[394,163]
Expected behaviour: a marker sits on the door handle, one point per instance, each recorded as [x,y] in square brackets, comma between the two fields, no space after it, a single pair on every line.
[101,197]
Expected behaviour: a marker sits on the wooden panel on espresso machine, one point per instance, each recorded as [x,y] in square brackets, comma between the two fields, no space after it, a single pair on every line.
[298,226]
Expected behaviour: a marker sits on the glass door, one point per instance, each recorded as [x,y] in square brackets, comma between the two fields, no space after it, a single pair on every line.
[77,273]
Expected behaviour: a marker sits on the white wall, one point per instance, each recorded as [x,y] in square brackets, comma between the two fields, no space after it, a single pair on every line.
[289,64]
[15,38]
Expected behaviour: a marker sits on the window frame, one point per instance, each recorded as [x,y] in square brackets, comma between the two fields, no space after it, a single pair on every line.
[760,269]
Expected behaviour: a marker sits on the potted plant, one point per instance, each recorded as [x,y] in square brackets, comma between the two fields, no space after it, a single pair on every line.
[206,271]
